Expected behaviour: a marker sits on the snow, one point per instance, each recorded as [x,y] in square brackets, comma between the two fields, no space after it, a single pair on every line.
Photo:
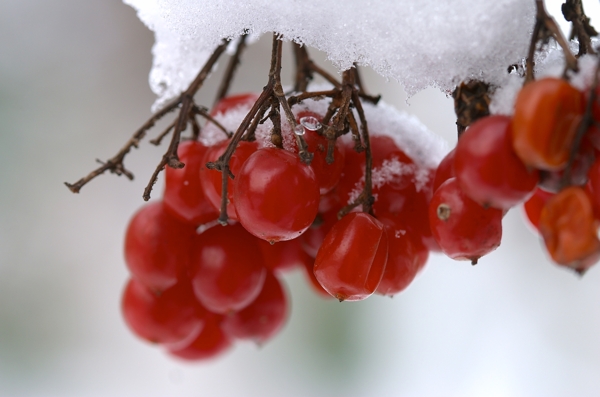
[420,43]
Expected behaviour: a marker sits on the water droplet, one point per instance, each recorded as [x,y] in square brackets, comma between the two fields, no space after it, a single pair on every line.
[299,130]
[310,123]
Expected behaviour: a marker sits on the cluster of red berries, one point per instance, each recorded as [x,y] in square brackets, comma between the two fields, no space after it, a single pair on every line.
[196,285]
[539,155]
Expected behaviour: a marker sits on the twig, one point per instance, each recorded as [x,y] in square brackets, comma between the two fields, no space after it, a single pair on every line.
[586,121]
[582,29]
[545,27]
[231,68]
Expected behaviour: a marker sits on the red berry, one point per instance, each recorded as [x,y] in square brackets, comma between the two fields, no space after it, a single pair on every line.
[533,206]
[547,113]
[210,343]
[282,256]
[463,229]
[328,175]
[406,256]
[211,180]
[234,101]
[445,170]
[569,229]
[263,318]
[486,167]
[157,247]
[170,318]
[226,268]
[276,196]
[184,197]
[352,258]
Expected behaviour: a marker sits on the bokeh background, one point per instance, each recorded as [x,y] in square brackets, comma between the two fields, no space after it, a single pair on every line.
[73,87]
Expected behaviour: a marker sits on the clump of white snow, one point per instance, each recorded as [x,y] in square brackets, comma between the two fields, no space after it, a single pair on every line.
[420,43]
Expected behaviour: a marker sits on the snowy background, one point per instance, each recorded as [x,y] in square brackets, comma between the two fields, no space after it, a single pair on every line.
[73,87]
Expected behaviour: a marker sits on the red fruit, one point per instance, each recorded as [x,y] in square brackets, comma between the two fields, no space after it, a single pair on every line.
[184,197]
[226,268]
[463,229]
[533,206]
[593,186]
[406,256]
[157,247]
[314,236]
[486,167]
[211,180]
[263,318]
[171,317]
[328,175]
[382,148]
[282,256]
[309,265]
[569,229]
[445,170]
[210,343]
[547,114]
[234,101]
[276,196]
[352,258]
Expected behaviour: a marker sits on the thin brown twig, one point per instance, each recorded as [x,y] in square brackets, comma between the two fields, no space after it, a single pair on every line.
[170,157]
[573,12]
[545,27]
[116,164]
[586,121]
[231,69]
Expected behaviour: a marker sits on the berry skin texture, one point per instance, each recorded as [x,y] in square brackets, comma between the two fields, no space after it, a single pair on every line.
[534,204]
[406,257]
[157,247]
[276,196]
[486,167]
[210,343]
[352,258]
[569,229]
[327,174]
[211,180]
[171,318]
[547,113]
[261,319]
[445,170]
[463,229]
[226,268]
[184,197]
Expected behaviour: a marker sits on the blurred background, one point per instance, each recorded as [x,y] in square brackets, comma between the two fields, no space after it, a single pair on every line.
[73,87]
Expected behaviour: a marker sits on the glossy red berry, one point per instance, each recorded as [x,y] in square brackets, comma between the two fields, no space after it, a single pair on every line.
[569,229]
[352,258]
[170,318]
[487,168]
[234,101]
[276,196]
[226,268]
[327,174]
[261,319]
[184,197]
[210,343]
[534,204]
[547,113]
[211,180]
[157,247]
[406,257]
[445,170]
[463,229]
[283,256]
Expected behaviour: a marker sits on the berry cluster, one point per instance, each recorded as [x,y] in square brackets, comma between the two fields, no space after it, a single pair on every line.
[544,154]
[196,285]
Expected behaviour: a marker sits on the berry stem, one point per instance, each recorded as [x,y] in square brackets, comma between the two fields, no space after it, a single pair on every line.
[234,62]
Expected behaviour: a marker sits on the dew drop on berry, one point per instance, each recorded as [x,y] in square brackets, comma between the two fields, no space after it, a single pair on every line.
[310,123]
[299,130]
